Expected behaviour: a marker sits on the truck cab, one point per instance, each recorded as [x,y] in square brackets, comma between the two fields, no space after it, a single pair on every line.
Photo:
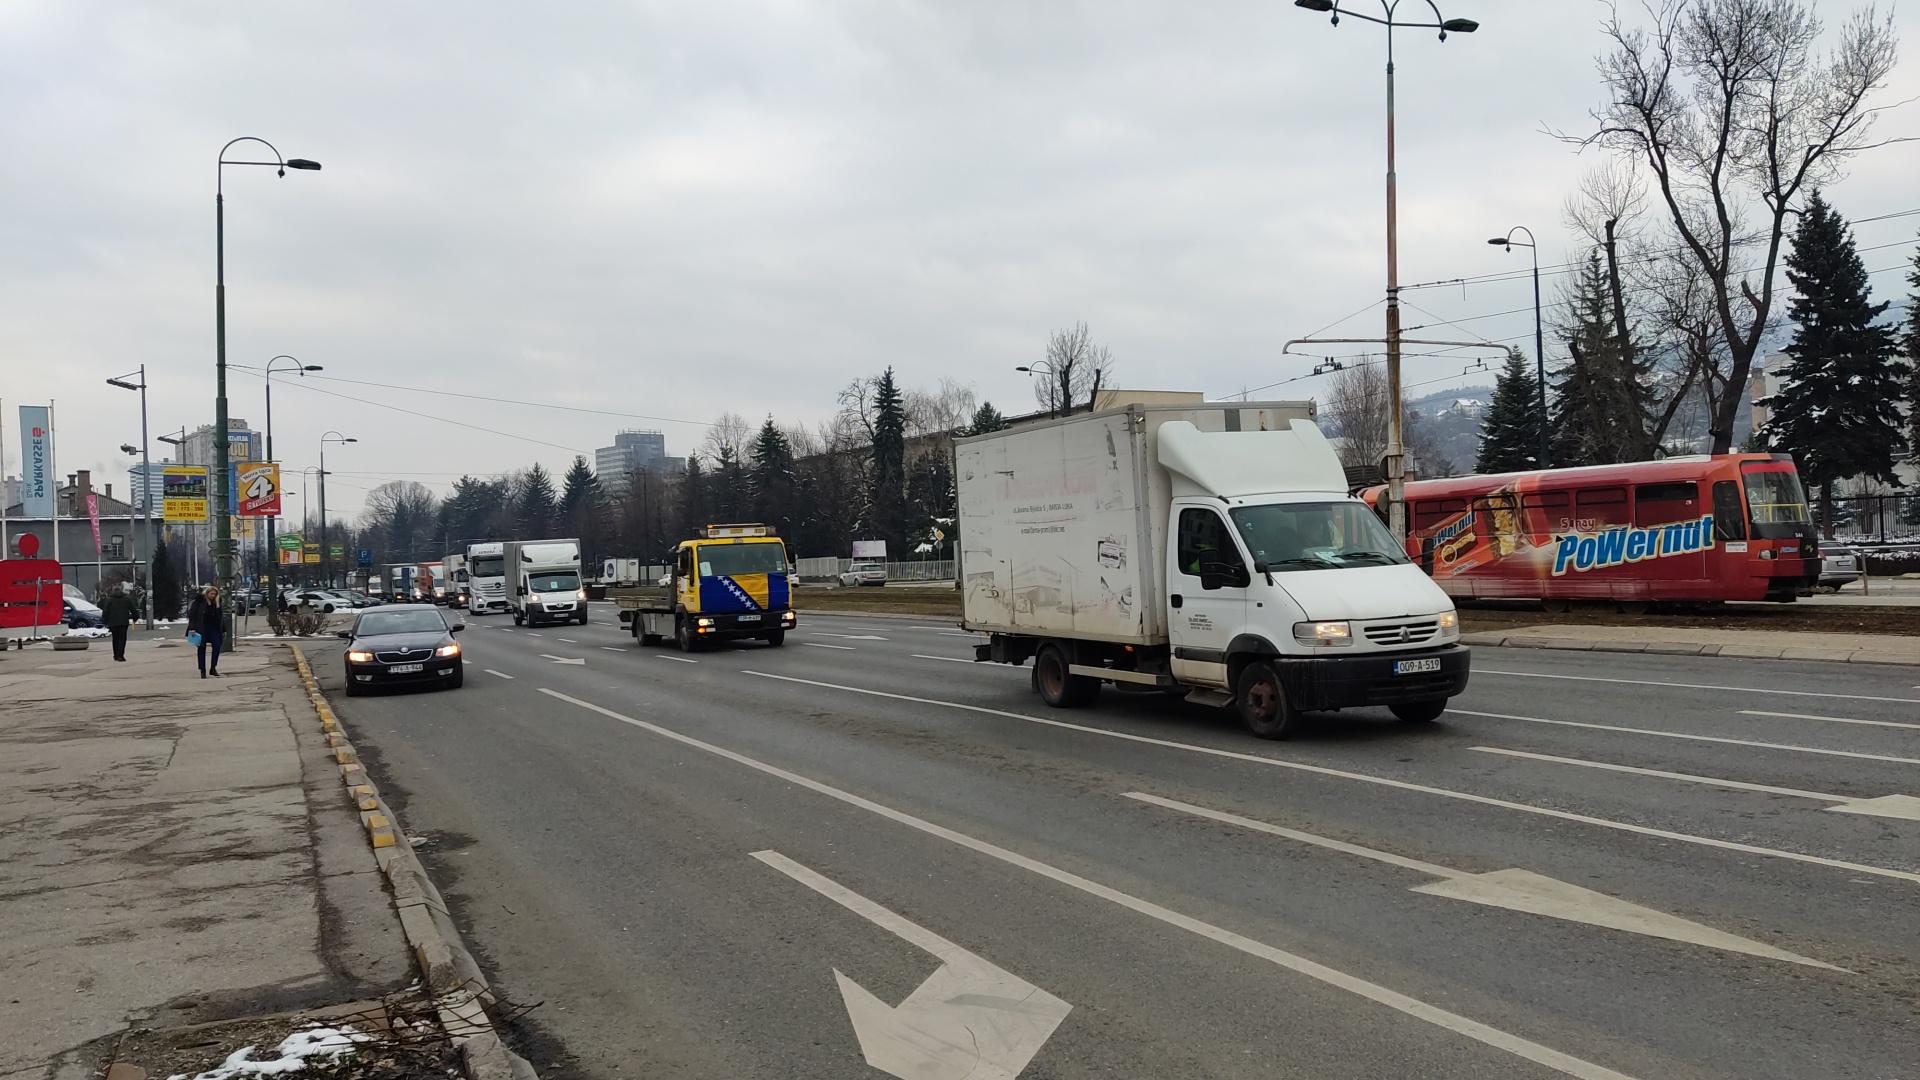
[730,582]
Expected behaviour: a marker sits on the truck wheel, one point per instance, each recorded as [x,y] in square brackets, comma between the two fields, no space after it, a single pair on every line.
[683,635]
[1262,702]
[583,618]
[519,619]
[777,637]
[1059,687]
[1420,712]
[649,639]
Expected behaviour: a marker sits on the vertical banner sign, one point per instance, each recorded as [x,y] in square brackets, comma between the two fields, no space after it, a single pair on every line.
[93,515]
[36,462]
[185,494]
[257,488]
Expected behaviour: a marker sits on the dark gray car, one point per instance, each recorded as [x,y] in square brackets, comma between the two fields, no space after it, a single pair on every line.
[402,645]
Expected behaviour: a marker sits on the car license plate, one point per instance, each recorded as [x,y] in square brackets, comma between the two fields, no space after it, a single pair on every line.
[405,669]
[749,618]
[1414,667]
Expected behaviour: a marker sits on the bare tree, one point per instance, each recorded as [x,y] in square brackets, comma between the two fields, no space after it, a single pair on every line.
[1356,409]
[945,409]
[729,431]
[1725,105]
[1075,370]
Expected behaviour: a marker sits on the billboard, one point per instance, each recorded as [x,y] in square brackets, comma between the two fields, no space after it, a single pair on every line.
[311,552]
[36,461]
[187,493]
[257,488]
[869,549]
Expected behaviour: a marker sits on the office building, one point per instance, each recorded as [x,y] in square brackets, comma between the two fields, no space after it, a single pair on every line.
[631,452]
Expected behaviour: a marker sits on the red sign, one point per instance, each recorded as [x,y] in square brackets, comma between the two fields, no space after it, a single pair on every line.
[29,591]
[93,515]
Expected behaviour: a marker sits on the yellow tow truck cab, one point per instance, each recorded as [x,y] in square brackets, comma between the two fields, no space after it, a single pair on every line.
[731,581]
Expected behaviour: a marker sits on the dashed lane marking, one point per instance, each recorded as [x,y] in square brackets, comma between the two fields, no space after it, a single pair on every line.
[1696,686]
[1893,806]
[1829,719]
[500,674]
[1694,738]
[679,659]
[824,645]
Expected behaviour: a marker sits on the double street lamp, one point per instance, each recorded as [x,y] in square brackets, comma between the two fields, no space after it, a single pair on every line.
[1539,337]
[1395,455]
[326,553]
[273,549]
[146,486]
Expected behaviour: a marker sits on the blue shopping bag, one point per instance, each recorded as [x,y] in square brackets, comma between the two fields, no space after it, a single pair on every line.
[193,638]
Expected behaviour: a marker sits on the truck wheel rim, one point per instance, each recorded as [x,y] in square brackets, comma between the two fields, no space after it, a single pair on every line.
[1261,699]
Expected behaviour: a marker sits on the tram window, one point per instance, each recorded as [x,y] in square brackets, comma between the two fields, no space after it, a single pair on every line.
[1600,506]
[1729,517]
[1546,500]
[1661,504]
[1430,514]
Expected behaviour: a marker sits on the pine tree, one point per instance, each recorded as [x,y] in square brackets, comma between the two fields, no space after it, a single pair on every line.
[986,418]
[536,504]
[583,509]
[1510,435]
[772,479]
[693,510]
[728,496]
[1836,410]
[1912,355]
[887,481]
[930,501]
[1598,415]
[165,579]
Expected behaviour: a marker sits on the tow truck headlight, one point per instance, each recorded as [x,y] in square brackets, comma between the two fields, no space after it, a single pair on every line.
[452,648]
[703,622]
[1322,634]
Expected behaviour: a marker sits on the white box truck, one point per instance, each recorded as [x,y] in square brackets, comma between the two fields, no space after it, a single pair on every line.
[486,577]
[543,582]
[621,572]
[453,570]
[1207,548]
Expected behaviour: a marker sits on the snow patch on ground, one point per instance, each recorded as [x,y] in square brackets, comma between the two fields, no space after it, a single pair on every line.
[89,631]
[293,1051]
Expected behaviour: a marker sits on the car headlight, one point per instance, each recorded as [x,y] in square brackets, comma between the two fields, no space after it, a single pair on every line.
[1319,634]
[452,648]
[1449,620]
[359,656]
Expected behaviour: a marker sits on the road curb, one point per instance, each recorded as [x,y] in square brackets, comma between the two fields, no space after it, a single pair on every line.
[460,991]
[1498,639]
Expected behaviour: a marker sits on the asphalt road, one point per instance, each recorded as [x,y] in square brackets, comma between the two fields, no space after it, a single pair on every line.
[1598,865]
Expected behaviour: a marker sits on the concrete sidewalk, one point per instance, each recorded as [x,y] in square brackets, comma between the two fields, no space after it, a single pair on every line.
[1702,641]
[173,851]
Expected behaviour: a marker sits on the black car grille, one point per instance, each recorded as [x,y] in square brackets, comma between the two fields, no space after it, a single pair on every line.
[403,656]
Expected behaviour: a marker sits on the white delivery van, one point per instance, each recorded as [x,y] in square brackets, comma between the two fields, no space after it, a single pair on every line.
[1207,548]
[543,582]
[486,577]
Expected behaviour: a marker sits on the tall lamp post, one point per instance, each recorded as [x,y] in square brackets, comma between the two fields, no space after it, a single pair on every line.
[146,484]
[273,550]
[306,522]
[1539,337]
[1047,369]
[223,547]
[1396,450]
[326,553]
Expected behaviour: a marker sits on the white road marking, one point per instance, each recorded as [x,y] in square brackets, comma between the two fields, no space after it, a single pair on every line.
[1830,719]
[824,645]
[504,629]
[501,674]
[563,659]
[1518,890]
[948,659]
[1403,785]
[568,640]
[970,1018]
[1696,686]
[936,629]
[532,634]
[959,633]
[679,659]
[1392,999]
[614,648]
[1693,738]
[851,637]
[1895,806]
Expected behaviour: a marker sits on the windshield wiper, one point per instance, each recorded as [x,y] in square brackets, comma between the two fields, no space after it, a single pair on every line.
[1363,554]
[1320,564]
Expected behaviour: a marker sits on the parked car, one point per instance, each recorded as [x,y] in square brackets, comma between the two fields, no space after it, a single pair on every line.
[402,645]
[865,572]
[79,612]
[319,599]
[1839,566]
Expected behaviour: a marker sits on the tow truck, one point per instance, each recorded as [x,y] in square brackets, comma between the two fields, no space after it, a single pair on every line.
[728,582]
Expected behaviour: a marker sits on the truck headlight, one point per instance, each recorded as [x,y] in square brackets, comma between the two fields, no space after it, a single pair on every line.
[580,595]
[1449,620]
[703,622]
[1320,634]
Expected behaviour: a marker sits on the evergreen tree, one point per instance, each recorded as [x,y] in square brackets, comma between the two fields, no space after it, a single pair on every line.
[693,506]
[1510,434]
[887,481]
[986,418]
[1598,415]
[536,504]
[729,497]
[583,509]
[772,481]
[165,578]
[1836,411]
[1912,354]
[930,502]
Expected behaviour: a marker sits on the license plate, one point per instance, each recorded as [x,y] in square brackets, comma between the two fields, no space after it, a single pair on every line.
[1414,667]
[749,618]
[404,669]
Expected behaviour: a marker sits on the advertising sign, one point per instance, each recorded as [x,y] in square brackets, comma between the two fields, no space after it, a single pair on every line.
[29,590]
[289,541]
[36,461]
[290,556]
[186,491]
[869,549]
[311,552]
[257,488]
[93,515]
[336,550]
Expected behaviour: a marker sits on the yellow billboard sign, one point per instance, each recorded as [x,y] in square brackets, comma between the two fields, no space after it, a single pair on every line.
[187,492]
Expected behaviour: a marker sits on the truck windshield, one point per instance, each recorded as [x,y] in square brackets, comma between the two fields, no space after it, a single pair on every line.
[489,566]
[1776,505]
[553,581]
[718,560]
[1315,536]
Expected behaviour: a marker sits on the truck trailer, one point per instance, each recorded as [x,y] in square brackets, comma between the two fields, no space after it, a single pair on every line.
[1210,550]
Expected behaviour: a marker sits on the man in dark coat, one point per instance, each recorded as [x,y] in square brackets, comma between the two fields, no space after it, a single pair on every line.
[118,611]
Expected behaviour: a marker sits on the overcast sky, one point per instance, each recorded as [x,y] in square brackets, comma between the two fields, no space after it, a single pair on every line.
[679,209]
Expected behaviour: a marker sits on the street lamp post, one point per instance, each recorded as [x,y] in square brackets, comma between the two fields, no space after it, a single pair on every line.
[146,487]
[1539,337]
[273,550]
[1047,369]
[223,525]
[1396,451]
[326,554]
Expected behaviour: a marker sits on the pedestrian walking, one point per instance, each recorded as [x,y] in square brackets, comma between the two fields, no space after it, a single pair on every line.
[118,613]
[203,619]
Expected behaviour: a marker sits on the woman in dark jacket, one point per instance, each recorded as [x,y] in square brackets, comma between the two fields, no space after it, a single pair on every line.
[204,617]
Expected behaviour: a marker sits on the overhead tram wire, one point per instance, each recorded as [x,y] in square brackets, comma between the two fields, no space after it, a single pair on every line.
[500,400]
[302,384]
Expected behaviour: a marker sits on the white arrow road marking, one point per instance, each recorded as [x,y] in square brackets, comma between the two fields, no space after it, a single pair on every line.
[1893,806]
[1692,738]
[970,1019]
[1518,890]
[1383,781]
[1829,719]
[614,648]
[1696,686]
[1484,1034]
[824,645]
[501,674]
[851,637]
[562,659]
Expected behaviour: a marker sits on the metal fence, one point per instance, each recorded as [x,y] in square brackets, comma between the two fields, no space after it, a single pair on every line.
[1881,518]
[827,569]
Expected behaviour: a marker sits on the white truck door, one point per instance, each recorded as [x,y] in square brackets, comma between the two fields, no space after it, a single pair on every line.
[1201,621]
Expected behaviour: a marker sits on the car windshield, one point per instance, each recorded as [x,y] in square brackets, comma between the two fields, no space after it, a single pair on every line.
[375,623]
[1315,536]
[554,581]
[728,559]
[490,566]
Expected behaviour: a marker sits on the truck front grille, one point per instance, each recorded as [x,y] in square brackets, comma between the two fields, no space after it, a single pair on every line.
[1402,633]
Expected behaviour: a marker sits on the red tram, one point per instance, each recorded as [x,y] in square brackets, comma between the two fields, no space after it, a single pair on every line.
[1704,528]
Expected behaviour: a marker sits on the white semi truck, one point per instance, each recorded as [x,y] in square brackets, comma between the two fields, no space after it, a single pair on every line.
[453,569]
[1207,549]
[543,582]
[486,577]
